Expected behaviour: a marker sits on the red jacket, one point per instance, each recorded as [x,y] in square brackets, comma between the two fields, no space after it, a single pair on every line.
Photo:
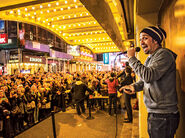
[112,84]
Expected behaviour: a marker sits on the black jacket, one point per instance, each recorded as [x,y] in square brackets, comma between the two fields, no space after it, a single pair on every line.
[78,90]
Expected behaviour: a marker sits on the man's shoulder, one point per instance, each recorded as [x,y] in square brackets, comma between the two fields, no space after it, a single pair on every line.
[165,52]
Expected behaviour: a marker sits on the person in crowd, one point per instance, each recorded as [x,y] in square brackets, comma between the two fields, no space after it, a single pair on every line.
[127,97]
[5,124]
[123,73]
[112,83]
[78,91]
[158,81]
[120,78]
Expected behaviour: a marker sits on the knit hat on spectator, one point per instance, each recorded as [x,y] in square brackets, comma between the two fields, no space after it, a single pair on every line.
[156,32]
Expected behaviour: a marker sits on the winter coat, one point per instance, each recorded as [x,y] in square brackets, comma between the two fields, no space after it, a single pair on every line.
[78,90]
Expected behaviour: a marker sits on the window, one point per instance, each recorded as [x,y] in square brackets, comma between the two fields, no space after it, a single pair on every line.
[12,29]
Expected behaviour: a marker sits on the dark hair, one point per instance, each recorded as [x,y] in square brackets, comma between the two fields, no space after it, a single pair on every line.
[128,70]
[126,64]
[112,74]
[77,79]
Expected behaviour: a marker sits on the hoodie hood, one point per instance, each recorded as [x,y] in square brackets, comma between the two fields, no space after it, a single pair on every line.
[174,55]
[78,82]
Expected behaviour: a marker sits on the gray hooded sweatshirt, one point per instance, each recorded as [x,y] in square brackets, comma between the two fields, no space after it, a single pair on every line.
[157,80]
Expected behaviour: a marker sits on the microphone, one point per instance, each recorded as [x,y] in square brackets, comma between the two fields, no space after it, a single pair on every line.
[137,50]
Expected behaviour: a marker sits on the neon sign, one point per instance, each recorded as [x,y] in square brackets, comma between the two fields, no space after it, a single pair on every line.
[3,39]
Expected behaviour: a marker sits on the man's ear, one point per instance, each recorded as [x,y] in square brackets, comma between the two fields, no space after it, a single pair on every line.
[155,41]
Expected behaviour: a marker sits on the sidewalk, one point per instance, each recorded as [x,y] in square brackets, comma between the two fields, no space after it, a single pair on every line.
[70,125]
[131,130]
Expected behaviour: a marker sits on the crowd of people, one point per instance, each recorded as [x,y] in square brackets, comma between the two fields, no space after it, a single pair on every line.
[26,99]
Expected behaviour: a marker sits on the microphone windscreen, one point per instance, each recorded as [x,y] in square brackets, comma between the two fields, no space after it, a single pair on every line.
[138,49]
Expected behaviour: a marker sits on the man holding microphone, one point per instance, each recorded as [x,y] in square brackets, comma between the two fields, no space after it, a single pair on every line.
[158,82]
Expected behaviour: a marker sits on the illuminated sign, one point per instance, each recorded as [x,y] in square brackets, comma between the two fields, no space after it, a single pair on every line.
[106,58]
[73,50]
[13,61]
[25,71]
[3,39]
[21,34]
[14,58]
[35,59]
[86,54]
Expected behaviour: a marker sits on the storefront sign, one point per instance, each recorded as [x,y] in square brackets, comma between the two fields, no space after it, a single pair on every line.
[34,59]
[51,61]
[3,39]
[86,54]
[58,54]
[36,46]
[14,58]
[13,61]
